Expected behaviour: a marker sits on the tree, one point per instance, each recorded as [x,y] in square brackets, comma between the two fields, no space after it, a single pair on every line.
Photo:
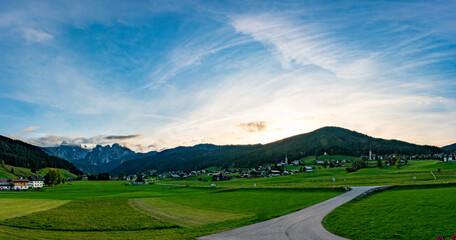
[397,164]
[140,179]
[12,170]
[356,165]
[53,177]
[379,163]
[393,160]
[103,176]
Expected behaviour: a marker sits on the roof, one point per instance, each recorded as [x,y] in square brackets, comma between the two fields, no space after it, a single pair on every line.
[35,178]
[5,184]
[19,180]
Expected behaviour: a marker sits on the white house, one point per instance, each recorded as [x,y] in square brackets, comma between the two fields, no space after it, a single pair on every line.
[36,181]
[448,158]
[5,184]
[296,162]
[309,169]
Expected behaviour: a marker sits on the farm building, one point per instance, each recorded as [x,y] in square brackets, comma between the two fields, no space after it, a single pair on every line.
[21,184]
[36,181]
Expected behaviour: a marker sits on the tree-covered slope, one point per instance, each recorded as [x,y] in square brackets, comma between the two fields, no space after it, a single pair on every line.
[332,140]
[182,158]
[20,154]
[450,148]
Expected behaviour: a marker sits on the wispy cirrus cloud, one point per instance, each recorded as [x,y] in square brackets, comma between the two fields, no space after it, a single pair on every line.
[294,42]
[32,35]
[29,129]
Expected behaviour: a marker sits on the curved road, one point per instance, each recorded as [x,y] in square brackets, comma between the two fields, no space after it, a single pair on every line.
[302,224]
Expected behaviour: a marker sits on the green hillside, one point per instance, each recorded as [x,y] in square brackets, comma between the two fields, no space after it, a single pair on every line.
[5,172]
[19,154]
[332,140]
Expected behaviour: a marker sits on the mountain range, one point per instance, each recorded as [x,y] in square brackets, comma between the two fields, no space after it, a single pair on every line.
[330,140]
[118,160]
[97,160]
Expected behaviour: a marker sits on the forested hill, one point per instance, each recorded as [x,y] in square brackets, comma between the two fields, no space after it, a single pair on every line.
[450,148]
[332,140]
[20,154]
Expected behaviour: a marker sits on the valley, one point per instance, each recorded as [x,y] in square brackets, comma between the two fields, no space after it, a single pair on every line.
[185,209]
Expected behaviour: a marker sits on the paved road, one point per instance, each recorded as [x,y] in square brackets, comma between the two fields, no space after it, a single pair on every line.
[302,224]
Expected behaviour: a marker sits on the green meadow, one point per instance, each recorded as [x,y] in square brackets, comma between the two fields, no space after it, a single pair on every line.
[185,209]
[114,210]
[400,213]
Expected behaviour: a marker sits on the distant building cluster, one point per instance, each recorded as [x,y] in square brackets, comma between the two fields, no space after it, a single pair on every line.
[282,167]
[21,183]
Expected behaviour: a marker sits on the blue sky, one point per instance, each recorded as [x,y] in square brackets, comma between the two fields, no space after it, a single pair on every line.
[158,74]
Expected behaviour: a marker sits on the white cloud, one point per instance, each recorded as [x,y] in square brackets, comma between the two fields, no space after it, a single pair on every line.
[32,35]
[306,44]
[29,129]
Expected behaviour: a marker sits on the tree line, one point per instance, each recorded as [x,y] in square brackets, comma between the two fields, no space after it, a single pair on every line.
[20,154]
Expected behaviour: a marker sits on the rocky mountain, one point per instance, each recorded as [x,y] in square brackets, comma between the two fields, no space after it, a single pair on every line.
[332,140]
[96,160]
[21,154]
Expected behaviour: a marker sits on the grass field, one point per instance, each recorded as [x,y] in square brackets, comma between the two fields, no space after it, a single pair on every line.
[20,207]
[184,209]
[180,214]
[414,213]
[113,210]
[89,215]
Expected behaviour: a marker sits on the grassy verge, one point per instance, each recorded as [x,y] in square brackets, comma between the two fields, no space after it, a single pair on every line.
[399,213]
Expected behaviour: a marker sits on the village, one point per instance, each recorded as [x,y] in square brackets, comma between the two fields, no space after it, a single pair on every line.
[283,167]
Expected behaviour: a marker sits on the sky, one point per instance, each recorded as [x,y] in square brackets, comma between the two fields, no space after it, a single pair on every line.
[152,75]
